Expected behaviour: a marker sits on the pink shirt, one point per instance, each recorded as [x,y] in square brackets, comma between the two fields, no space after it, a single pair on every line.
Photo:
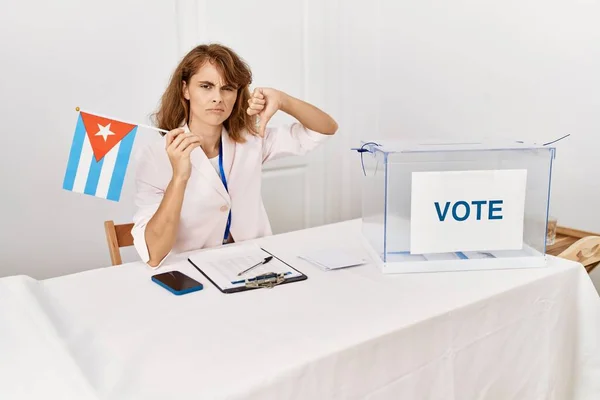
[206,203]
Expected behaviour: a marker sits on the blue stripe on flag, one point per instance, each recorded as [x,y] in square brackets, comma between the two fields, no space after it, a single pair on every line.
[93,176]
[74,155]
[116,182]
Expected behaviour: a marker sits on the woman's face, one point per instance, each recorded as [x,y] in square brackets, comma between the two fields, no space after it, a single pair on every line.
[211,98]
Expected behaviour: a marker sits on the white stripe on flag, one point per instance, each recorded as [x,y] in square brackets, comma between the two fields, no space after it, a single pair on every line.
[108,166]
[83,169]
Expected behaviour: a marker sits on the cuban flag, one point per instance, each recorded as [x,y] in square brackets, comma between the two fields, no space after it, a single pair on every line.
[99,156]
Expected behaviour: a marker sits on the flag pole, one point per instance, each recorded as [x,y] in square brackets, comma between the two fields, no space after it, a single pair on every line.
[118,119]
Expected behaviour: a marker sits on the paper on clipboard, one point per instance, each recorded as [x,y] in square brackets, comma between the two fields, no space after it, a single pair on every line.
[223,265]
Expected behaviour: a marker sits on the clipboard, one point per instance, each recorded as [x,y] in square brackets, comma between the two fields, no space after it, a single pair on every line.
[255,281]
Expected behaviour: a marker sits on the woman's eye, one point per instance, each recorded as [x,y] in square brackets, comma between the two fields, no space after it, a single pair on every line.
[204,86]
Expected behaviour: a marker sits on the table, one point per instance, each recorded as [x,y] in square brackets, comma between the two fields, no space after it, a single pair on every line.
[111,333]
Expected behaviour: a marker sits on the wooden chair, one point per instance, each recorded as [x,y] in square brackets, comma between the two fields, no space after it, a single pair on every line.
[585,251]
[117,236]
[576,245]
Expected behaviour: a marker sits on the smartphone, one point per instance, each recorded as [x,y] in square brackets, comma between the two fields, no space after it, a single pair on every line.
[177,282]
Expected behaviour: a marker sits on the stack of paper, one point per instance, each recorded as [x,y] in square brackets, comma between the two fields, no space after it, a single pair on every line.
[330,259]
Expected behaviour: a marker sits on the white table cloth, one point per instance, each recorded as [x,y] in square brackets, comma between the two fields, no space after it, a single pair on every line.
[355,333]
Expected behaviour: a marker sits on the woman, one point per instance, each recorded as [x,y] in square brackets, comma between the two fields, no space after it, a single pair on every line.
[200,186]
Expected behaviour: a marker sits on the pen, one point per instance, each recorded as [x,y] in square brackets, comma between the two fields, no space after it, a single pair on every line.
[253,279]
[266,260]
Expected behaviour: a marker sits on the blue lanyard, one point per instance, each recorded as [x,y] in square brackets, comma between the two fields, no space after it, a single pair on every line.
[224,180]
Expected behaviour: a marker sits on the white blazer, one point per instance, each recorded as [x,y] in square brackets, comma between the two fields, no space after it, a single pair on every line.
[206,203]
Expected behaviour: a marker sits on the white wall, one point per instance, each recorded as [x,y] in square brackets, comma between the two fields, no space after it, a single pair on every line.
[520,70]
[523,70]
[109,56]
[115,58]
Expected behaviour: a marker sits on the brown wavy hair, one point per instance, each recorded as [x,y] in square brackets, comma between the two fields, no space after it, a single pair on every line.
[175,109]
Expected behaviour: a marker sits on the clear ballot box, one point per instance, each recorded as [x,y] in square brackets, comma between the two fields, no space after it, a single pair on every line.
[458,206]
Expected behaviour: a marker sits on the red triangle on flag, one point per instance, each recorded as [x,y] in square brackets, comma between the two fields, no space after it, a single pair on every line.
[104,133]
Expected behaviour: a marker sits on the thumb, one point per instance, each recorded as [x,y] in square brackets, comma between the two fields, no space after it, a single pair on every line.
[262,127]
[264,120]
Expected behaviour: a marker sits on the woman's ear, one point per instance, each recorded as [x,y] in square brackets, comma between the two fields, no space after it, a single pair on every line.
[186,92]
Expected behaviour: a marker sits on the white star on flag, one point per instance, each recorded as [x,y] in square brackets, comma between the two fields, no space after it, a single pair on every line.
[104,131]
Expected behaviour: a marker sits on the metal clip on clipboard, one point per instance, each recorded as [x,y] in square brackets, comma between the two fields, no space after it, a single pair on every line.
[267,280]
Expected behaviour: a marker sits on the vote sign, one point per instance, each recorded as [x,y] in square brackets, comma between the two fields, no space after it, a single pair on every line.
[467,210]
